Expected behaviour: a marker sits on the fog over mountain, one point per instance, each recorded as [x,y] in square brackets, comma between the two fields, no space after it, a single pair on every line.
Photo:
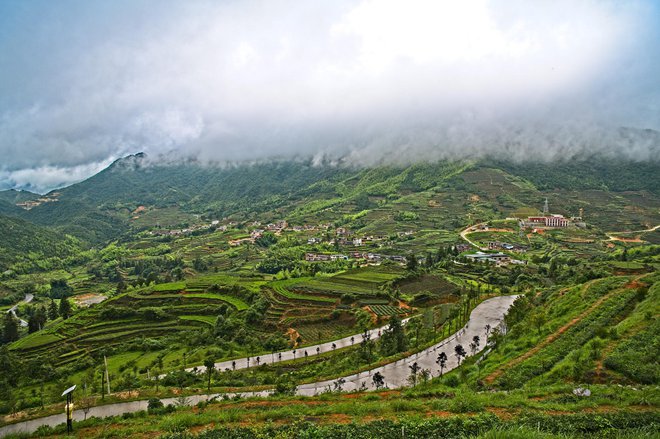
[84,83]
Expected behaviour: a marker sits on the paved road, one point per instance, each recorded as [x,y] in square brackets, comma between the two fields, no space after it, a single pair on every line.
[242,363]
[28,299]
[489,312]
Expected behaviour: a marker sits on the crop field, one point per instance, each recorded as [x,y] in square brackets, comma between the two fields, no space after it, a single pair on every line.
[386,310]
[287,288]
[574,318]
[316,332]
[433,284]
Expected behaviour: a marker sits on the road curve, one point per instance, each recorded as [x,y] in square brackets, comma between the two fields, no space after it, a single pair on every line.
[28,299]
[489,312]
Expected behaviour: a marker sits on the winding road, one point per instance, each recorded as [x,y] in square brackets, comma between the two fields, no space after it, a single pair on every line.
[28,299]
[489,312]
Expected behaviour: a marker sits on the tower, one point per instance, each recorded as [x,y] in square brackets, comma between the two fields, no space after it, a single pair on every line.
[546,209]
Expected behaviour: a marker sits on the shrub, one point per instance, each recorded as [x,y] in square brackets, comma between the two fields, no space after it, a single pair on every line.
[154,404]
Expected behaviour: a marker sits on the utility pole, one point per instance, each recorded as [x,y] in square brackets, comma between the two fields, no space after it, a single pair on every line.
[107,375]
[69,408]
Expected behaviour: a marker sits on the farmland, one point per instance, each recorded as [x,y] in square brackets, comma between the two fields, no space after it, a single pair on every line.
[186,287]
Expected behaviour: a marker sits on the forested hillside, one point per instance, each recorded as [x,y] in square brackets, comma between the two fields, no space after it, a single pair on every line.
[31,246]
[101,208]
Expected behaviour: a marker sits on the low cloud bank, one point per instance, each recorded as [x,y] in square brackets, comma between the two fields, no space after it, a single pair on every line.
[361,82]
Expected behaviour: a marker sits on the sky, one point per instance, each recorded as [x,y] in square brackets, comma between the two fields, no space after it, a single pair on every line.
[362,82]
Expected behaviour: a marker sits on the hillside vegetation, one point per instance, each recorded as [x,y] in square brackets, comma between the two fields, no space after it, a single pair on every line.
[187,280]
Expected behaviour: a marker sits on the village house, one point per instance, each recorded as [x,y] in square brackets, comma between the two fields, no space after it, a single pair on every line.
[314,257]
[338,257]
[462,247]
[277,227]
[488,257]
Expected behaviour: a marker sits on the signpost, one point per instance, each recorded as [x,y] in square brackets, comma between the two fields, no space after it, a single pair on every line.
[69,408]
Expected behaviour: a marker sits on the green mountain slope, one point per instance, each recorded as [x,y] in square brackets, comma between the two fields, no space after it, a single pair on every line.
[100,208]
[30,245]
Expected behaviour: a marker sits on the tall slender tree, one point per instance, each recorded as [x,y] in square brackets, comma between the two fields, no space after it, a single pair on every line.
[65,308]
[209,364]
[10,328]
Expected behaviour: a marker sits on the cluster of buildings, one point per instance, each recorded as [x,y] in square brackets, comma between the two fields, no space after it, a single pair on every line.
[48,198]
[548,220]
[494,258]
[369,257]
[495,245]
[177,232]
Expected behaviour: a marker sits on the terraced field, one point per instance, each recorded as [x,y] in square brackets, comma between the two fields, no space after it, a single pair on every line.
[150,312]
[386,310]
[304,302]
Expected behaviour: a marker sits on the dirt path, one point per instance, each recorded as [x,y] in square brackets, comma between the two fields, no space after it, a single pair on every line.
[634,283]
[613,236]
[467,231]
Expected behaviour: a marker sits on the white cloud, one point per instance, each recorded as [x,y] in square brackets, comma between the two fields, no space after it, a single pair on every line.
[251,79]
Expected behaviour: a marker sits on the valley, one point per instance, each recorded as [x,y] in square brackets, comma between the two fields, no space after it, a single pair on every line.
[283,282]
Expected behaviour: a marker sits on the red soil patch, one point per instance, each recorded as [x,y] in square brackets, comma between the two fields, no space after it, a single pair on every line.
[634,284]
[500,412]
[438,414]
[293,336]
[337,418]
[374,316]
[636,239]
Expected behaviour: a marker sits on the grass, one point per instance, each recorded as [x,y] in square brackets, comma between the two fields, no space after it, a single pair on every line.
[209,320]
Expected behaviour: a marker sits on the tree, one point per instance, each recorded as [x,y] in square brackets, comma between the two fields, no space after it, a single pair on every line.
[209,364]
[338,384]
[394,338]
[411,263]
[460,353]
[475,344]
[285,385]
[414,370]
[53,313]
[538,319]
[65,308]
[121,287]
[37,319]
[10,328]
[379,380]
[442,361]
[59,288]
[425,375]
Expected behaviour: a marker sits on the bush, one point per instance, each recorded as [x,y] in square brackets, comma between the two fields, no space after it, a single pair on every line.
[154,404]
[452,381]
